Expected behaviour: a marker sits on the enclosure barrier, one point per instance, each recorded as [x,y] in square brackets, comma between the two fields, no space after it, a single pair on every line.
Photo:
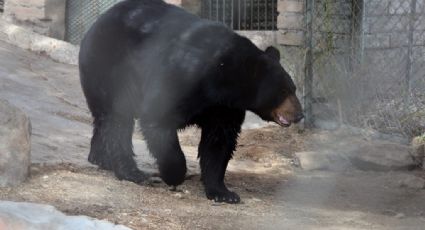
[242,14]
[81,14]
[365,63]
[364,60]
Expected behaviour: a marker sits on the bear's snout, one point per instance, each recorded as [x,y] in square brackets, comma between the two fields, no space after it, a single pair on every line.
[288,112]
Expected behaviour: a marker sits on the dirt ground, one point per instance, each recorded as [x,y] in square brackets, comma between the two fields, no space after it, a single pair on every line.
[275,192]
[259,170]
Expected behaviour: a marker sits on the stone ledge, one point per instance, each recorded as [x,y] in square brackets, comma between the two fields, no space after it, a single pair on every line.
[262,39]
[57,50]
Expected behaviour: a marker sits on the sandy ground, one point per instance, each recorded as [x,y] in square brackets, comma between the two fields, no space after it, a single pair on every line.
[276,194]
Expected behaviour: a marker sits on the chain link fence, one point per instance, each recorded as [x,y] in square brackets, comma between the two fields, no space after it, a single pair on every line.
[365,63]
[365,59]
[242,14]
[80,15]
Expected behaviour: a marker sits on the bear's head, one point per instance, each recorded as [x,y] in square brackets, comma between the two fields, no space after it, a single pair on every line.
[275,99]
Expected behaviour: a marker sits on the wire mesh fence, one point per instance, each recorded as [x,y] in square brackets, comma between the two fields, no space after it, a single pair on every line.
[365,59]
[365,63]
[80,15]
[242,14]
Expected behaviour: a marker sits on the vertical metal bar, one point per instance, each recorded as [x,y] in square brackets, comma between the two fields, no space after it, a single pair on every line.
[216,9]
[210,10]
[308,68]
[273,27]
[362,34]
[81,14]
[252,12]
[239,14]
[231,13]
[258,14]
[67,21]
[266,21]
[409,67]
[224,12]
[357,31]
[245,15]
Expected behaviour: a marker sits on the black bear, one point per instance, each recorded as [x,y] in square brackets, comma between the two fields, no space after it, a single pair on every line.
[150,61]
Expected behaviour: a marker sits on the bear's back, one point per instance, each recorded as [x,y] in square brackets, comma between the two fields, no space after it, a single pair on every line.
[158,54]
[150,32]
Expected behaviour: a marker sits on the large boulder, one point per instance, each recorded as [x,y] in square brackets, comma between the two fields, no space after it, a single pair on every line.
[322,160]
[363,155]
[382,156]
[417,150]
[15,145]
[40,217]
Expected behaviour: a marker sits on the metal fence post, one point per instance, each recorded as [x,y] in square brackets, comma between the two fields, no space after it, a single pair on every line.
[409,67]
[357,36]
[308,65]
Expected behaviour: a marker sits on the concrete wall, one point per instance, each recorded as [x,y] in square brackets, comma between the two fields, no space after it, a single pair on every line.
[55,11]
[193,6]
[46,17]
[290,22]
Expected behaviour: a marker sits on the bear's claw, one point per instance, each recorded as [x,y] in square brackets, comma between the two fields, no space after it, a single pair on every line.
[224,196]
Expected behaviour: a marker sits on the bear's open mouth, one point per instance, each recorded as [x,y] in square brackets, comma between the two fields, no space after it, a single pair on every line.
[282,121]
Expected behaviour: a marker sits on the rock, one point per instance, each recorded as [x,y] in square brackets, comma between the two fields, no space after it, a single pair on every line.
[15,145]
[40,217]
[321,160]
[179,195]
[409,181]
[382,156]
[256,199]
[400,215]
[24,38]
[268,165]
[413,182]
[417,150]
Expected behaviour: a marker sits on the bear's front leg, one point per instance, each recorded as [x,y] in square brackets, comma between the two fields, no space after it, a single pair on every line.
[165,147]
[218,141]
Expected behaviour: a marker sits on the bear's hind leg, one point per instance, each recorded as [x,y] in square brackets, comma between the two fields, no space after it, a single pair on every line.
[98,155]
[112,149]
[220,130]
[165,147]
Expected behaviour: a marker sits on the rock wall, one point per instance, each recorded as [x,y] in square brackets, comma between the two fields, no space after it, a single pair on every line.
[45,17]
[15,145]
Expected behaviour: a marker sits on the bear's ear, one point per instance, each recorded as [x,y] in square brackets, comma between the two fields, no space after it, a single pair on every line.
[273,53]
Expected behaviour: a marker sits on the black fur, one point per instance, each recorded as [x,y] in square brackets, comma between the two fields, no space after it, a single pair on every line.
[148,60]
